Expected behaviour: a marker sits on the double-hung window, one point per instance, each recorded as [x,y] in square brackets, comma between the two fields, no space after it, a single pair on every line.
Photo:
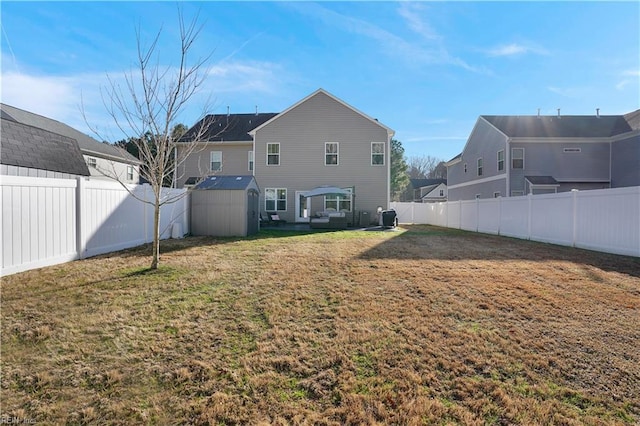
[331,153]
[479,166]
[517,158]
[501,160]
[92,162]
[275,199]
[130,173]
[216,161]
[273,154]
[377,153]
[250,160]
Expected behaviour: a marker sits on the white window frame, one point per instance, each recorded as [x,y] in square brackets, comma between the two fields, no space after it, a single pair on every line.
[276,155]
[327,154]
[278,196]
[217,160]
[130,172]
[479,166]
[378,154]
[250,162]
[501,160]
[338,200]
[465,167]
[92,162]
[442,192]
[513,158]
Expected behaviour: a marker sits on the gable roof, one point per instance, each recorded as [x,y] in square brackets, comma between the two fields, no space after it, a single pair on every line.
[568,126]
[87,144]
[227,127]
[27,146]
[390,132]
[421,183]
[226,182]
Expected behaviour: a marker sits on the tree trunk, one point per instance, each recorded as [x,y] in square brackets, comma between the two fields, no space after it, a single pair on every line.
[156,234]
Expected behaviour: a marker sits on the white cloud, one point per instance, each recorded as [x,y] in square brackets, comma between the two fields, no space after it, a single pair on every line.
[513,49]
[428,49]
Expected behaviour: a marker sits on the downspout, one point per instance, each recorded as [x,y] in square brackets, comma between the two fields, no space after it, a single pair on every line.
[507,166]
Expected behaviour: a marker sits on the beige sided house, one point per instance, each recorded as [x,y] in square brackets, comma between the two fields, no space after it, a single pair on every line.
[319,141]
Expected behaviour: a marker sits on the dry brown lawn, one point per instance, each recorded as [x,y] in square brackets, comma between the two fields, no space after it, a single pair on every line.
[421,325]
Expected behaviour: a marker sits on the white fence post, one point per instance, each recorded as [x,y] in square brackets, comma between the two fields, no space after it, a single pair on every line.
[574,205]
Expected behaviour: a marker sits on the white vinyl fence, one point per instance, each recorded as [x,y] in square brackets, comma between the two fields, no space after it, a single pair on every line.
[49,221]
[606,220]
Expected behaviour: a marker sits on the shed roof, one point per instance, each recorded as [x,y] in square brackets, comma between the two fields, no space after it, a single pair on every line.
[542,180]
[27,146]
[225,182]
[87,144]
[227,127]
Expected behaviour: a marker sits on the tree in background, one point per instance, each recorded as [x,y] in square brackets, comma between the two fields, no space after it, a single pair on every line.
[132,144]
[147,111]
[426,167]
[399,177]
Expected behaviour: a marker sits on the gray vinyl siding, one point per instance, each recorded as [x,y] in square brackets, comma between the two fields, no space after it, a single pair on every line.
[590,165]
[7,170]
[625,162]
[302,133]
[234,161]
[485,142]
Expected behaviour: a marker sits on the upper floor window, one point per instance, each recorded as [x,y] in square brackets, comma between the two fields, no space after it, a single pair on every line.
[331,154]
[465,167]
[250,160]
[273,154]
[275,199]
[501,160]
[442,192]
[517,158]
[216,161]
[377,153]
[129,172]
[479,166]
[92,162]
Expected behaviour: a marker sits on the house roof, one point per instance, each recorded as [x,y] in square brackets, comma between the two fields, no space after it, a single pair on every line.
[320,91]
[87,144]
[541,180]
[27,146]
[227,127]
[225,182]
[421,183]
[568,126]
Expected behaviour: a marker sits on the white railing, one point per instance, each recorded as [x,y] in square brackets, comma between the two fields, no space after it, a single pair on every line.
[49,221]
[606,220]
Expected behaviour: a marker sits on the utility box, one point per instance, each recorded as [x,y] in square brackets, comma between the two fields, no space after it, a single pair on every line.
[364,219]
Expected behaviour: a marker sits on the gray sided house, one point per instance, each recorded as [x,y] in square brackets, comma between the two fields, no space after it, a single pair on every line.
[102,159]
[225,206]
[517,155]
[319,141]
[427,190]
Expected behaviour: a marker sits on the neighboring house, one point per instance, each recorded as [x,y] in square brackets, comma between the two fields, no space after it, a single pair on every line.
[428,190]
[319,141]
[517,155]
[103,159]
[29,151]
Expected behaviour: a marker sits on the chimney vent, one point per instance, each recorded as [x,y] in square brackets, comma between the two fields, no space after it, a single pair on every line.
[228,110]
[256,109]
[598,112]
[538,112]
[558,112]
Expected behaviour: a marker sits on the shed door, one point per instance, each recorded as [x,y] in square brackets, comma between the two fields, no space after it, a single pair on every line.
[253,217]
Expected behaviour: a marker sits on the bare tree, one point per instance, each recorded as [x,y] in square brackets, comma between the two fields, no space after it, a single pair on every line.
[147,109]
[422,166]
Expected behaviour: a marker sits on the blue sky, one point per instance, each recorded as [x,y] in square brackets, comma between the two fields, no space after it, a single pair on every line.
[425,69]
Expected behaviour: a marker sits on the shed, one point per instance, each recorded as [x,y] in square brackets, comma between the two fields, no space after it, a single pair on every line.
[225,206]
